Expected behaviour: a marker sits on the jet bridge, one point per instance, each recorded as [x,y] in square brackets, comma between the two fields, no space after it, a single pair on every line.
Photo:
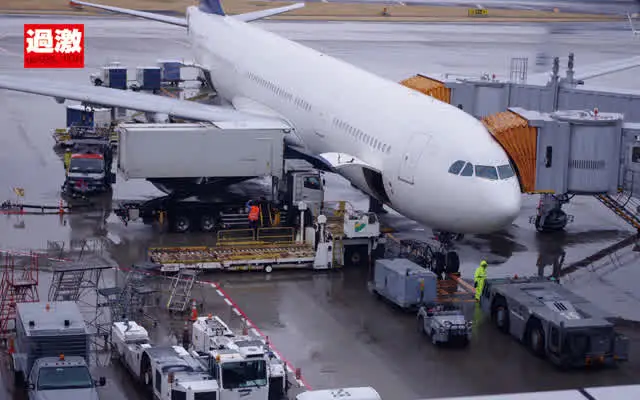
[589,147]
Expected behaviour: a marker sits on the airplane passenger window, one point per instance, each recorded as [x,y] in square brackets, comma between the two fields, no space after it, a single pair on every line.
[505,171]
[384,148]
[389,149]
[456,167]
[468,170]
[487,172]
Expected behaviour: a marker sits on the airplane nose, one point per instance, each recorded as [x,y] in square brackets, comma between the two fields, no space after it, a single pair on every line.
[503,207]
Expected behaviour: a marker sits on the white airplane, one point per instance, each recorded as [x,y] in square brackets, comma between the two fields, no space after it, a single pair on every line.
[428,160]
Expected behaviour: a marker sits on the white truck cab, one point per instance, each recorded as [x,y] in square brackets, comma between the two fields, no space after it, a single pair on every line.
[356,393]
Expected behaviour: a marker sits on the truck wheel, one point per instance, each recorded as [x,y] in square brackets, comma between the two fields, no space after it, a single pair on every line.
[453,262]
[181,224]
[439,261]
[421,325]
[500,315]
[207,223]
[536,339]
[356,255]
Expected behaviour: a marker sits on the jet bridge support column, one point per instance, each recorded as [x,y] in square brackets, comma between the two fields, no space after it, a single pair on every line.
[549,214]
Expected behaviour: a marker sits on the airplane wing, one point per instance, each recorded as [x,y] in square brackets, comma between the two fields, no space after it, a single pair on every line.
[256,15]
[246,17]
[146,15]
[138,101]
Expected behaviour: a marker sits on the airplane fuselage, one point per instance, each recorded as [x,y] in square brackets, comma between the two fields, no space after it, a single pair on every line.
[404,142]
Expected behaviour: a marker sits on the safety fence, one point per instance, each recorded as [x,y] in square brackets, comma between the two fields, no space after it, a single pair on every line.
[236,237]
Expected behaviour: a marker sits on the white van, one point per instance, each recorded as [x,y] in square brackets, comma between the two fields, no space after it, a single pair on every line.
[357,393]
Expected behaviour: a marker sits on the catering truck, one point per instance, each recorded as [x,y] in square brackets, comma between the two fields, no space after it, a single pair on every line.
[51,354]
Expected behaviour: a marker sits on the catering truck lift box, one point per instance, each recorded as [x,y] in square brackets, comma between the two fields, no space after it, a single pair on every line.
[554,322]
[148,151]
[52,348]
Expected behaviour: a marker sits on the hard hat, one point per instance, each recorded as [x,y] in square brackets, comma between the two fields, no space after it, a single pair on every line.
[483,263]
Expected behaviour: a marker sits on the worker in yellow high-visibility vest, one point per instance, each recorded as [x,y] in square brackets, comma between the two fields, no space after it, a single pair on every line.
[479,277]
[67,160]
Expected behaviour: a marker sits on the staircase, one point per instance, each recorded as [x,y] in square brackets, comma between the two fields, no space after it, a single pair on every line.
[624,204]
[181,290]
[66,285]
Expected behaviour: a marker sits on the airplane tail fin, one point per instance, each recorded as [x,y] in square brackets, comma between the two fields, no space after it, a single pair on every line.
[212,7]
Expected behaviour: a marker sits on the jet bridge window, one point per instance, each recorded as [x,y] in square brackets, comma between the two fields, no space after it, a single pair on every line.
[456,167]
[468,170]
[635,154]
[486,172]
[505,171]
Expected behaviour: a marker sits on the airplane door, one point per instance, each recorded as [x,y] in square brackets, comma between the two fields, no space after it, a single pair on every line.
[417,145]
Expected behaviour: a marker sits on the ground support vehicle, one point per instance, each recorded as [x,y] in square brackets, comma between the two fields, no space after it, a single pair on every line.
[182,212]
[355,393]
[212,336]
[324,246]
[444,324]
[404,283]
[168,372]
[89,168]
[85,122]
[52,347]
[553,322]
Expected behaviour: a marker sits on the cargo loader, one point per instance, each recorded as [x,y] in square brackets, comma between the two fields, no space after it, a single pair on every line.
[346,237]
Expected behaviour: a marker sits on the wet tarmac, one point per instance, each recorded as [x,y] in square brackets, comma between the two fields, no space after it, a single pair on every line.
[329,325]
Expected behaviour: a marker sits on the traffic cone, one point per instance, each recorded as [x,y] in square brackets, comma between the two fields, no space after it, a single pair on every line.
[194,311]
[61,208]
[11,346]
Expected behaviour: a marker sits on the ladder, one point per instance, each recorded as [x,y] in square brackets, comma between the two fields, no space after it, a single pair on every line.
[65,285]
[181,287]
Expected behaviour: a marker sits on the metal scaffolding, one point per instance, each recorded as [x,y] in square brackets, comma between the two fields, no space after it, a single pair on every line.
[18,284]
[81,283]
[130,301]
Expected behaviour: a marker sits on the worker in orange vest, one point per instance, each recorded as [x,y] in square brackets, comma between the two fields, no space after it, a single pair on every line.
[254,214]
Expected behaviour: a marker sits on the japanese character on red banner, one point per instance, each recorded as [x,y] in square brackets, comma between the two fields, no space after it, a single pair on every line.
[54,46]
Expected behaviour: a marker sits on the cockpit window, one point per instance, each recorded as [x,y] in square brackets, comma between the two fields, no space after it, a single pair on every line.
[505,171]
[456,167]
[468,170]
[487,172]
